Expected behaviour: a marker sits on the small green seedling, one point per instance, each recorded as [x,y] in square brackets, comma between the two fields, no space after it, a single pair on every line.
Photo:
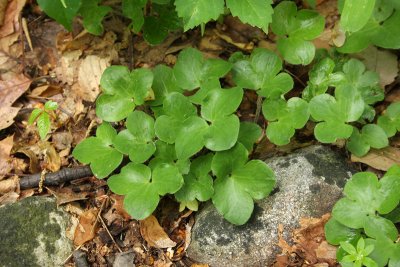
[296,29]
[42,117]
[357,256]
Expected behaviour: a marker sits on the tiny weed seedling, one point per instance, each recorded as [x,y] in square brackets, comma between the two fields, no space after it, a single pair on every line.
[42,118]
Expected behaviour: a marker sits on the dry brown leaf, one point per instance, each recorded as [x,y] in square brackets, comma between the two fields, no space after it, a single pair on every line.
[381,159]
[9,185]
[8,198]
[383,62]
[3,7]
[52,159]
[11,20]
[87,227]
[5,161]
[90,70]
[199,265]
[393,96]
[326,251]
[7,115]
[154,234]
[66,195]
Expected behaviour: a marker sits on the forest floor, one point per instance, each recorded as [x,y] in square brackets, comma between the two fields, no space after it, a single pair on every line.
[41,61]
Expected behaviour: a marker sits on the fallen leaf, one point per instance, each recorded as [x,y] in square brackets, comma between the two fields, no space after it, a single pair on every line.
[51,157]
[90,70]
[381,159]
[326,251]
[8,198]
[11,19]
[393,96]
[3,7]
[87,227]
[10,90]
[5,161]
[67,195]
[199,265]
[383,62]
[9,185]
[7,115]
[154,234]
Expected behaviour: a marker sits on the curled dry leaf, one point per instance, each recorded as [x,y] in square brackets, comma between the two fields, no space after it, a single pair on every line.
[9,185]
[381,159]
[87,227]
[67,195]
[5,160]
[154,234]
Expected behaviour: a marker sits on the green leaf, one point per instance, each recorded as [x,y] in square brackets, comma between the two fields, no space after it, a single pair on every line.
[123,90]
[390,120]
[366,82]
[143,186]
[221,102]
[164,83]
[138,140]
[249,133]
[355,14]
[364,196]
[133,9]
[198,183]
[258,71]
[223,133]
[192,70]
[296,51]
[238,183]
[254,12]
[56,10]
[34,115]
[177,108]
[93,15]
[190,139]
[198,12]
[296,29]
[43,124]
[376,226]
[335,112]
[371,135]
[284,118]
[349,248]
[50,105]
[98,152]
[157,26]
[336,232]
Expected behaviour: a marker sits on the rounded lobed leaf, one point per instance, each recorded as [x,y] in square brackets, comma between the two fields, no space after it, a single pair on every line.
[220,103]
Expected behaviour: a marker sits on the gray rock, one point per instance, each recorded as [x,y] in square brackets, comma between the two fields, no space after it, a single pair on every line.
[124,259]
[32,233]
[309,182]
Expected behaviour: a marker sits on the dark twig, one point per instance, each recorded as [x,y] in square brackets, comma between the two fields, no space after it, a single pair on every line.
[55,178]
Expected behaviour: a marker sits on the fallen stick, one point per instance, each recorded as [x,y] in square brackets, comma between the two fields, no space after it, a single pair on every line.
[55,178]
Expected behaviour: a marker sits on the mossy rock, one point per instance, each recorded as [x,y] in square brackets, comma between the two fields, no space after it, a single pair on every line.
[33,233]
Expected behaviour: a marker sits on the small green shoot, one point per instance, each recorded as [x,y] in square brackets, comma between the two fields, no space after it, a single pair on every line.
[42,117]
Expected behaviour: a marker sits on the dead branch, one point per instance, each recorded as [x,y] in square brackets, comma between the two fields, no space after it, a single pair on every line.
[55,178]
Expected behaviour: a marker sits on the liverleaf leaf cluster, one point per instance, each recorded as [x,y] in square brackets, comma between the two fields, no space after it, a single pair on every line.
[262,72]
[363,212]
[296,29]
[182,144]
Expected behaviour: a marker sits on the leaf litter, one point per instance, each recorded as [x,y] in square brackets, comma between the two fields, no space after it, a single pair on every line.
[66,68]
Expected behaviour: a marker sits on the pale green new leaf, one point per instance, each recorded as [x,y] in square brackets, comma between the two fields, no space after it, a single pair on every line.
[43,124]
[371,135]
[254,12]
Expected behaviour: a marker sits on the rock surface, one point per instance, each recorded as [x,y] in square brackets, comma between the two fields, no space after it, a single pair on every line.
[32,233]
[309,182]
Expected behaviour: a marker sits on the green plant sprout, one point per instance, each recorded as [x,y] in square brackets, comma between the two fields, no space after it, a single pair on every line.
[42,118]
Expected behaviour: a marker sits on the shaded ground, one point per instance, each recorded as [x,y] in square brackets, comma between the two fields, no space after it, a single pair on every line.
[41,61]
